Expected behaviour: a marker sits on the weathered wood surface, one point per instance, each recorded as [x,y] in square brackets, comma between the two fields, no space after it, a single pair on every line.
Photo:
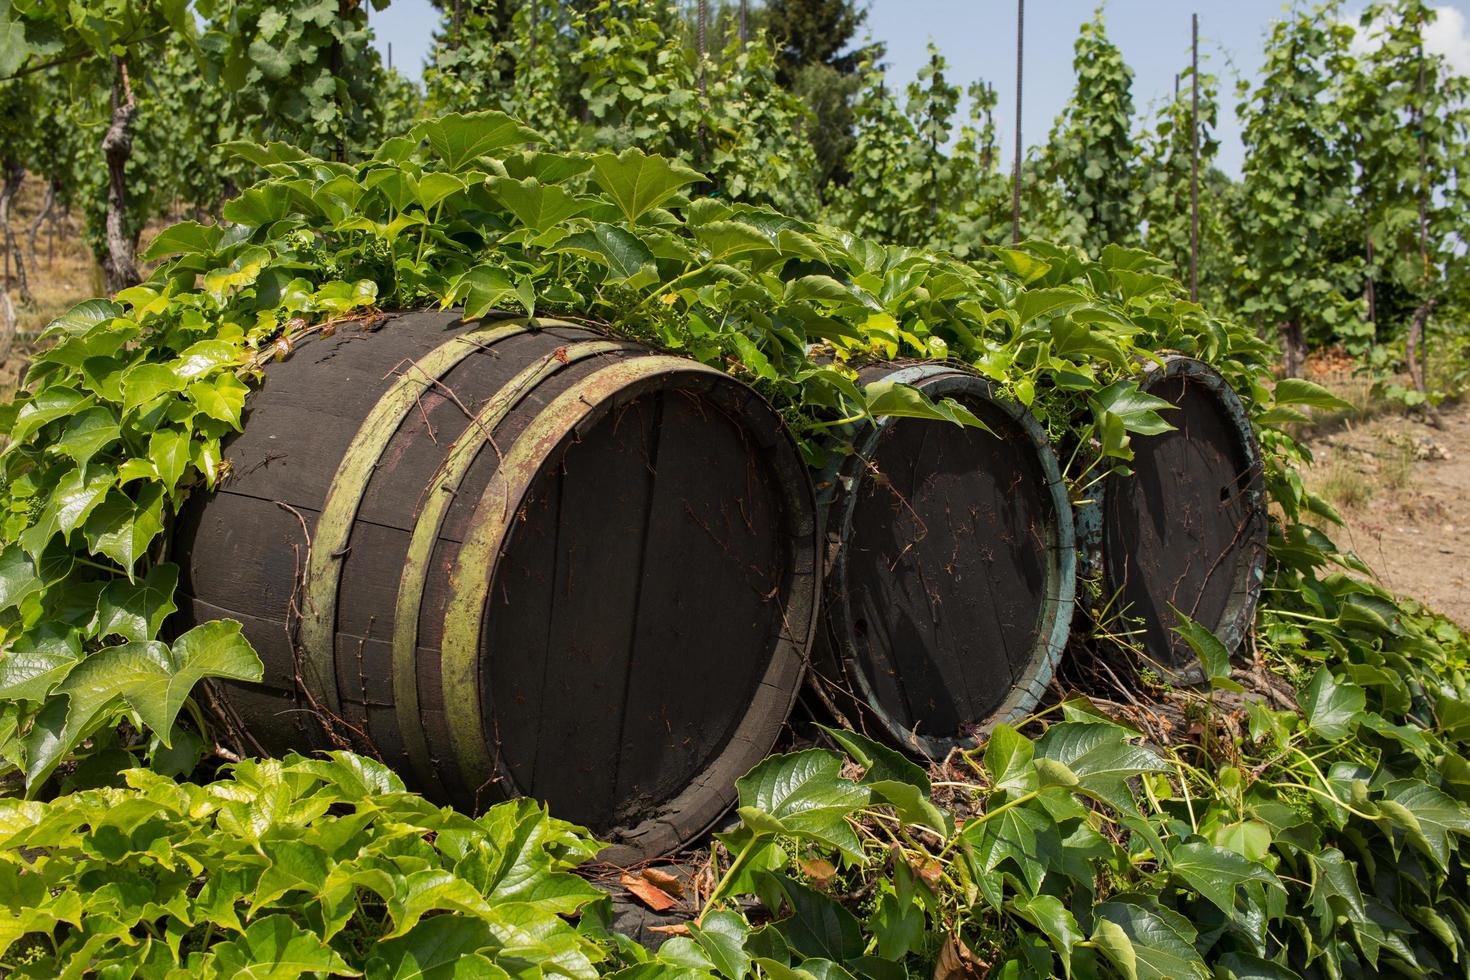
[950,570]
[1186,532]
[557,565]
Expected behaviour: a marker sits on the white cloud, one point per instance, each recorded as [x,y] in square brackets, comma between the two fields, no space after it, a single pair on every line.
[1448,34]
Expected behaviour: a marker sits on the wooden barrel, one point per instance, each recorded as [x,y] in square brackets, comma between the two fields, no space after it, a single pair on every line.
[950,567]
[1186,530]
[515,560]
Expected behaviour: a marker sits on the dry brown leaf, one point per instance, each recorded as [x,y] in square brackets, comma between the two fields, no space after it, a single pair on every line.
[929,871]
[677,929]
[649,893]
[664,881]
[820,871]
[956,962]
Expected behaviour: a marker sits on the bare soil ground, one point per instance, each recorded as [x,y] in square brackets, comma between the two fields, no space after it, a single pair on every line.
[1402,486]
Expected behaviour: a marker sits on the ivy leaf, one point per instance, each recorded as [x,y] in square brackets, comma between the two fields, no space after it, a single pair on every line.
[1136,410]
[906,401]
[818,926]
[203,357]
[726,239]
[536,205]
[1217,873]
[143,384]
[294,866]
[803,794]
[74,497]
[891,776]
[1332,706]
[38,661]
[1427,815]
[122,529]
[44,407]
[481,290]
[637,182]
[1056,922]
[136,611]
[82,318]
[170,452]
[18,579]
[1033,303]
[431,890]
[722,936]
[151,678]
[275,948]
[620,250]
[445,947]
[1299,391]
[1208,648]
[461,138]
[1026,834]
[1147,943]
[1008,756]
[1100,757]
[221,398]
[184,238]
[87,434]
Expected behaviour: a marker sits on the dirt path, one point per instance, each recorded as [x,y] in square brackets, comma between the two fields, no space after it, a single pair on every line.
[1403,488]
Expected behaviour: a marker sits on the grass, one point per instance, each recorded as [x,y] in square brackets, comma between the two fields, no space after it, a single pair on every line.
[1344,485]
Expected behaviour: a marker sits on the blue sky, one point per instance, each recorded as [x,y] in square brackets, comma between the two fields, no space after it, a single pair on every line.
[977,37]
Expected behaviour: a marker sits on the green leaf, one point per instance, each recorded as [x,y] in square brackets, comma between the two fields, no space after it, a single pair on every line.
[203,357]
[1033,303]
[184,238]
[722,936]
[803,794]
[72,500]
[536,205]
[637,182]
[1008,756]
[818,926]
[1056,922]
[169,449]
[896,780]
[136,611]
[1217,873]
[37,662]
[431,890]
[1206,646]
[122,529]
[621,251]
[275,948]
[444,947]
[45,407]
[87,434]
[1147,943]
[1428,815]
[1026,834]
[1138,411]
[18,578]
[1298,391]
[1332,706]
[906,401]
[481,289]
[1101,758]
[151,678]
[145,383]
[294,866]
[461,138]
[726,239]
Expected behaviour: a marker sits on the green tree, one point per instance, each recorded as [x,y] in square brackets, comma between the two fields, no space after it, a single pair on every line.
[117,40]
[1090,156]
[1297,180]
[1410,121]
[1164,191]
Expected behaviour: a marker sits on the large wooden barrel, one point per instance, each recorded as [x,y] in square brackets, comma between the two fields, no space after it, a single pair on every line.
[950,567]
[1187,529]
[515,560]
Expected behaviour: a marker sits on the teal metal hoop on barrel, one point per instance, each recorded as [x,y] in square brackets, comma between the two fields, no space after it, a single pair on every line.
[950,569]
